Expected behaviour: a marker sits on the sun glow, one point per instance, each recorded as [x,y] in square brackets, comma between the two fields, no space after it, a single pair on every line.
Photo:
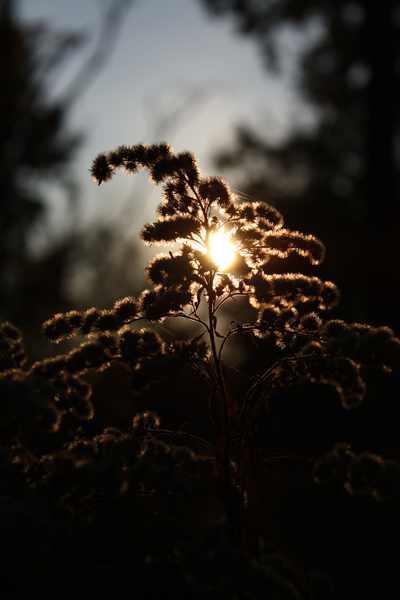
[222,250]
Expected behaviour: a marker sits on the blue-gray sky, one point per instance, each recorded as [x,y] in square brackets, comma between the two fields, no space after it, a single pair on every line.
[169,54]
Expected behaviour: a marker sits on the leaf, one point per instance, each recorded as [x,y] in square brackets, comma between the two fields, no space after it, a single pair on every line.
[253,339]
[197,338]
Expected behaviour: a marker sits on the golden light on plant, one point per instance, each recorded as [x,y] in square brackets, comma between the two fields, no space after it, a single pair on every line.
[222,251]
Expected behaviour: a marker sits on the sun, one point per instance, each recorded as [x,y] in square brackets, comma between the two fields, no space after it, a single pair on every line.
[222,251]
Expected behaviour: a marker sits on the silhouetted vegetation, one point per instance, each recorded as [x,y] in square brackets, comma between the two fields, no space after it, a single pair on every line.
[35,148]
[340,176]
[264,484]
[36,152]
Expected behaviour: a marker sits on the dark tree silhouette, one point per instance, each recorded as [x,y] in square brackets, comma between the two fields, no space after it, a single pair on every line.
[345,171]
[34,144]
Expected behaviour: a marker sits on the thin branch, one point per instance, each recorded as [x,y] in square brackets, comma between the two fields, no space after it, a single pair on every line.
[182,435]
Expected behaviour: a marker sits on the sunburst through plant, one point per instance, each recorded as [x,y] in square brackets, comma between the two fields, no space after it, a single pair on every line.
[221,249]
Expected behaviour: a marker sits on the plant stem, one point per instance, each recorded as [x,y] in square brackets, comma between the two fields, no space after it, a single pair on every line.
[225,459]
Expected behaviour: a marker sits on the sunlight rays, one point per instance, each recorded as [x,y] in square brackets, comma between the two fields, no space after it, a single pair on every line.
[222,251]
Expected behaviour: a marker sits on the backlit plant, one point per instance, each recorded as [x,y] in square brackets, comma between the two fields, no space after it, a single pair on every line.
[223,249]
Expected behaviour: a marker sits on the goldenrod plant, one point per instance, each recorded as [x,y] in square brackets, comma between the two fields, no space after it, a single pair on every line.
[155,511]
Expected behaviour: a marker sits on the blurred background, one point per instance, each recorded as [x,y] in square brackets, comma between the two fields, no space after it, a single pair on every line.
[295,102]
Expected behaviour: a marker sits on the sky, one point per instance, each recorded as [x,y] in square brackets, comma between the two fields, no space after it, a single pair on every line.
[174,73]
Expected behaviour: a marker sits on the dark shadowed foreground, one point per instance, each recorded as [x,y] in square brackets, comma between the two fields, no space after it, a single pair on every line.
[259,459]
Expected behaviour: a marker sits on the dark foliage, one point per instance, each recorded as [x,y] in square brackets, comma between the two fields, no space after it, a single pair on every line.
[340,176]
[177,512]
[34,145]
